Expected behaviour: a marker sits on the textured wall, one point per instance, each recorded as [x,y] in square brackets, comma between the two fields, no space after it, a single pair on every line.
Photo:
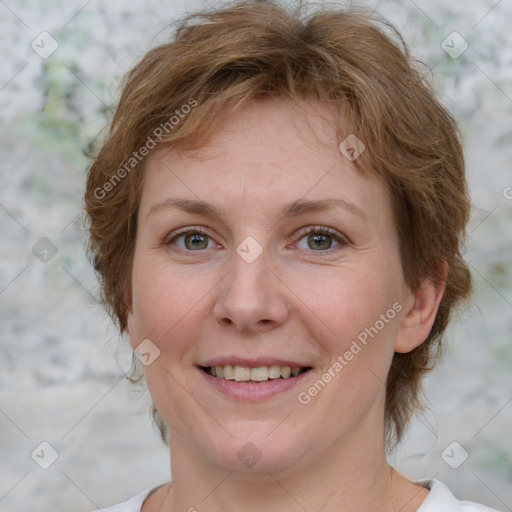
[60,364]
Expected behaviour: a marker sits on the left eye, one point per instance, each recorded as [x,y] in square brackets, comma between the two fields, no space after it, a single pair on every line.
[320,238]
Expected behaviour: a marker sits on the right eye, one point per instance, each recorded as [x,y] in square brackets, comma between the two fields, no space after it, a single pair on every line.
[193,239]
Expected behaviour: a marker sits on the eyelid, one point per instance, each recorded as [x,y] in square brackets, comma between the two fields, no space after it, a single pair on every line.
[169,238]
[325,230]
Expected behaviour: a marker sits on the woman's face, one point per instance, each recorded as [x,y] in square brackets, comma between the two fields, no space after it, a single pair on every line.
[255,290]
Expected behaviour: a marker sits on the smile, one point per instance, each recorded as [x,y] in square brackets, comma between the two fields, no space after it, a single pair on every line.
[259,374]
[246,383]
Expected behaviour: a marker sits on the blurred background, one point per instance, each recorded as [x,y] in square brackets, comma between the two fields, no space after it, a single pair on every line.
[61,361]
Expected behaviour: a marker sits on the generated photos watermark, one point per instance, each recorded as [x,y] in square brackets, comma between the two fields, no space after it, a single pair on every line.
[304,397]
[137,156]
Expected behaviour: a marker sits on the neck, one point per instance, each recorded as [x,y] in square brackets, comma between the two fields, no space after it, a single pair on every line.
[352,476]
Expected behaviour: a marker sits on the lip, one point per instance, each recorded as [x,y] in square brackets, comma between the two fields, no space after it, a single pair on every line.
[252,392]
[254,362]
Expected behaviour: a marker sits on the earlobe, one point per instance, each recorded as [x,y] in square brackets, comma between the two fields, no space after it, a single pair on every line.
[132,330]
[420,312]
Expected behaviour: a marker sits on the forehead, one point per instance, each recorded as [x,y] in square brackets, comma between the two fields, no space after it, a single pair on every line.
[269,152]
[274,128]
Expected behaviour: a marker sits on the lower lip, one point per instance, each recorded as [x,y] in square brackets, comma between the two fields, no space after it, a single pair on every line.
[253,391]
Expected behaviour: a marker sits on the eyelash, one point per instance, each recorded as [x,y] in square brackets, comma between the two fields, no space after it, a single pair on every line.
[322,230]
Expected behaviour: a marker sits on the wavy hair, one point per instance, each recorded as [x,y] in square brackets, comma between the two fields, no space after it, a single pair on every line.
[356,62]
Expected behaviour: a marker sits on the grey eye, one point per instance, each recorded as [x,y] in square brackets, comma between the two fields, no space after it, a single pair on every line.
[195,241]
[319,241]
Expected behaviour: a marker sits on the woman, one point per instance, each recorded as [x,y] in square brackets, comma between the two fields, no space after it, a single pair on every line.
[276,218]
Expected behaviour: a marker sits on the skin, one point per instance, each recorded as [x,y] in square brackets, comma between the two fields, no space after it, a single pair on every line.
[295,301]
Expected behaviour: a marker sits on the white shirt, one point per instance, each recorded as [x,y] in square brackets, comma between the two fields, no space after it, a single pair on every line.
[439,499]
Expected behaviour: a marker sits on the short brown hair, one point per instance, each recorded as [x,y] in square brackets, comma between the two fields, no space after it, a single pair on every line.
[357,63]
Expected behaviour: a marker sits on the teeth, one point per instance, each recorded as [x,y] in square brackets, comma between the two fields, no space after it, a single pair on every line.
[242,373]
[260,374]
[229,372]
[274,372]
[285,371]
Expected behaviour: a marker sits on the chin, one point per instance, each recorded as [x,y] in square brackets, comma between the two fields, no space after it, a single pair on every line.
[257,454]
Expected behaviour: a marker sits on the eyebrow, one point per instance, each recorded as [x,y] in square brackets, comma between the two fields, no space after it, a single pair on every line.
[289,210]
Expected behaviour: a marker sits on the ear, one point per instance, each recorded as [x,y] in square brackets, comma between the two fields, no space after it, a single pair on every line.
[420,312]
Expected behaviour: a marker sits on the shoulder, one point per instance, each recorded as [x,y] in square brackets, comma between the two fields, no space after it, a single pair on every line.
[441,499]
[132,505]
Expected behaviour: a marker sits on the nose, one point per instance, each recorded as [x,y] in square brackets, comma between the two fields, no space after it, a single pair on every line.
[252,298]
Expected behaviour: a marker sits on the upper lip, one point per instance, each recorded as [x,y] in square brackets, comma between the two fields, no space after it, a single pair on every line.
[254,362]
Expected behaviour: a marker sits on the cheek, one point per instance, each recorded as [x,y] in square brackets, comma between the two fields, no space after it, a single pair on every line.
[166,309]
[168,302]
[347,301]
[358,343]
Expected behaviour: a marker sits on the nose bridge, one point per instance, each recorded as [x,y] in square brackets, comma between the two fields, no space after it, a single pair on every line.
[251,296]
